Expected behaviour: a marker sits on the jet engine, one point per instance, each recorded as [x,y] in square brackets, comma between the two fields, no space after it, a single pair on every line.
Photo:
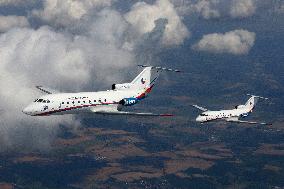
[121,86]
[244,115]
[240,106]
[129,101]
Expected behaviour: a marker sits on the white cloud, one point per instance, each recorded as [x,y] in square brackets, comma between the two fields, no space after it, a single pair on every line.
[64,13]
[15,2]
[206,8]
[8,22]
[242,8]
[22,65]
[234,42]
[211,9]
[27,59]
[142,17]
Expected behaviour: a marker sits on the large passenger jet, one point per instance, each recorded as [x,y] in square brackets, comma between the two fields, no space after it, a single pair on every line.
[110,102]
[232,115]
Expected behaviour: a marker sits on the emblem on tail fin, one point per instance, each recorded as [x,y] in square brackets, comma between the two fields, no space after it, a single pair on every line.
[143,81]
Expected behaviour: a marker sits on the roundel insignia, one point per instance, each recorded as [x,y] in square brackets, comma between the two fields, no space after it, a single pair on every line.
[143,81]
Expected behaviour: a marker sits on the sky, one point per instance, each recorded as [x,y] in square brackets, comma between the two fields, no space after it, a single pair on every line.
[86,45]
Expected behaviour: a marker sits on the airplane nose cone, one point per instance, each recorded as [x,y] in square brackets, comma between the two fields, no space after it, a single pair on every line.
[27,111]
[199,119]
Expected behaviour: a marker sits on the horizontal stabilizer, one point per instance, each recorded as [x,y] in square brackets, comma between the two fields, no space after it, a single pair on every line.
[258,96]
[160,68]
[132,113]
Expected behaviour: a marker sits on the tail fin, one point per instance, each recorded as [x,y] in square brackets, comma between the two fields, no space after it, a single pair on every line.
[143,80]
[252,101]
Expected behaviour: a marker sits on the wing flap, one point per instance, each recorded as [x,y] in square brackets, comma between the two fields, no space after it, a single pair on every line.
[236,120]
[200,108]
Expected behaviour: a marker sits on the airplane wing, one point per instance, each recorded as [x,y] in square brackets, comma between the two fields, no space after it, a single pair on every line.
[236,120]
[47,90]
[200,108]
[131,113]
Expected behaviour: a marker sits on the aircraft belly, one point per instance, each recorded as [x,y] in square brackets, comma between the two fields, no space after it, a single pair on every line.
[108,107]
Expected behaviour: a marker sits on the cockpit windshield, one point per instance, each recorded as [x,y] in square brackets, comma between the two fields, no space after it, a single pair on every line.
[203,114]
[42,101]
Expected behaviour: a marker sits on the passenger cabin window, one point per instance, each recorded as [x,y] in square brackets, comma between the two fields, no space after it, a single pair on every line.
[105,100]
[67,102]
[95,101]
[62,103]
[78,101]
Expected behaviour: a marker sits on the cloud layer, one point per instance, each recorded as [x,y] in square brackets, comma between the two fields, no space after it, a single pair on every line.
[15,2]
[242,8]
[8,22]
[235,42]
[68,12]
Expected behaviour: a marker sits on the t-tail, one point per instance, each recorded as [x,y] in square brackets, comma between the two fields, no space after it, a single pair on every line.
[147,78]
[145,81]
[252,101]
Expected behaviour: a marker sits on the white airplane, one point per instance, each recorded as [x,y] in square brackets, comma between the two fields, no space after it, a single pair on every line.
[230,115]
[110,102]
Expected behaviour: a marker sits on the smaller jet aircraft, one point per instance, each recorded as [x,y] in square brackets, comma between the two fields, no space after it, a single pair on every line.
[233,115]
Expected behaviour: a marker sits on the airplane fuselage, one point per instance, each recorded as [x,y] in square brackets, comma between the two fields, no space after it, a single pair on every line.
[84,102]
[222,114]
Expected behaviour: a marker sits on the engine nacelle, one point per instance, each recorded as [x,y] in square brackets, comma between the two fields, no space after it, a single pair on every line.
[121,86]
[129,101]
[244,115]
[240,106]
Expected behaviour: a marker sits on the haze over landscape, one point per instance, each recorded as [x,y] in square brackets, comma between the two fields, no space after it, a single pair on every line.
[227,48]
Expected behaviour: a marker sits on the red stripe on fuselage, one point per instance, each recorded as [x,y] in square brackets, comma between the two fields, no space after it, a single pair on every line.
[72,108]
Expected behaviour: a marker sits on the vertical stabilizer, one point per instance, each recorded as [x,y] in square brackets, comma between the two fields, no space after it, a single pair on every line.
[252,101]
[143,80]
